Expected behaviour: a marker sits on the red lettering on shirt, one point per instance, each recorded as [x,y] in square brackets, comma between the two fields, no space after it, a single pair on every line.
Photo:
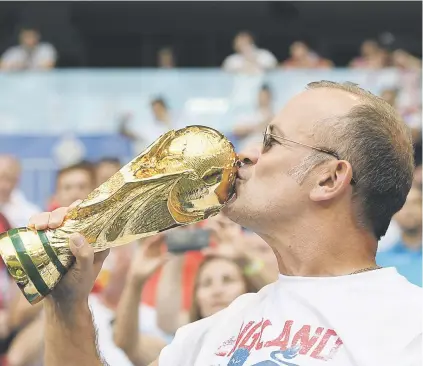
[253,335]
[302,338]
[240,336]
[260,343]
[250,337]
[323,342]
[283,339]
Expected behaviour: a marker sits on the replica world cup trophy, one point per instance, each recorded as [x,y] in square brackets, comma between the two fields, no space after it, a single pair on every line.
[185,176]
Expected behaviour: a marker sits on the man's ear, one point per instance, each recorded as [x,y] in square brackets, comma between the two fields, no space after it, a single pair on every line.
[333,181]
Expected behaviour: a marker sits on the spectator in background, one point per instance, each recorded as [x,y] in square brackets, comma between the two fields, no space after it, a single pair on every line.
[406,255]
[372,56]
[26,325]
[302,57]
[143,135]
[105,168]
[104,300]
[390,95]
[139,345]
[410,113]
[227,240]
[218,282]
[409,77]
[73,183]
[166,58]
[405,60]
[13,204]
[250,128]
[30,54]
[248,248]
[248,58]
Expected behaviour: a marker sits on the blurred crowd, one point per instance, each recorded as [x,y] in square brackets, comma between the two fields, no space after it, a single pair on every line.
[149,288]
[31,53]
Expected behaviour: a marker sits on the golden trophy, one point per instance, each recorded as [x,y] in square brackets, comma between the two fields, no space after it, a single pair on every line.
[183,177]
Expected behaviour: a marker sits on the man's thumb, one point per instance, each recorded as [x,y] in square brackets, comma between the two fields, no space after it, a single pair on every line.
[82,251]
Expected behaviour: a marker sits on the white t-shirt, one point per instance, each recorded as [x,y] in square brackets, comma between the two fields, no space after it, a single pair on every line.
[265,60]
[18,210]
[147,134]
[368,319]
[29,59]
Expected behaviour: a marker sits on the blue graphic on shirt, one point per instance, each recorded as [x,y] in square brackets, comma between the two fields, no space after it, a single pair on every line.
[241,355]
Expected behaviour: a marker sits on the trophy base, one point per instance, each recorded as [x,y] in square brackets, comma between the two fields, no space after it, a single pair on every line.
[31,261]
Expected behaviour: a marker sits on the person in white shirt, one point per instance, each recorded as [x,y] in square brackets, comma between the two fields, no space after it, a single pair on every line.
[248,58]
[144,134]
[250,128]
[30,54]
[336,164]
[13,203]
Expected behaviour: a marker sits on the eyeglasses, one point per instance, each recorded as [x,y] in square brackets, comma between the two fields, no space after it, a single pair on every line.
[267,142]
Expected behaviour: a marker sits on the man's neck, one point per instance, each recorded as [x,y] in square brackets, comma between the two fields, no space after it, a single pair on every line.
[314,250]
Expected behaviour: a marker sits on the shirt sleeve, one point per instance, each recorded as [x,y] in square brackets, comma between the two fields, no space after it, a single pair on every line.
[10,56]
[232,63]
[267,60]
[46,53]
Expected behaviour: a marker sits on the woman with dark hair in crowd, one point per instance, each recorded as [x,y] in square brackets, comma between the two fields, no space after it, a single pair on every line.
[218,282]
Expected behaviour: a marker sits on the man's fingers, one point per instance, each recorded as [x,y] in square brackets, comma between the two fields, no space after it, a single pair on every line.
[83,252]
[57,217]
[52,220]
[74,204]
[39,221]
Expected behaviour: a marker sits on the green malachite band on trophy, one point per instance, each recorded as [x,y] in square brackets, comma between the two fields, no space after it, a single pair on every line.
[27,264]
[31,298]
[50,252]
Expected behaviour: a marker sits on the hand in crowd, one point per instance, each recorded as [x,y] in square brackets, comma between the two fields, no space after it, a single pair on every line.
[224,229]
[149,258]
[228,237]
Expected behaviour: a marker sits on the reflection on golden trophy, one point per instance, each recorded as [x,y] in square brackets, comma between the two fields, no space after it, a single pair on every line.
[185,176]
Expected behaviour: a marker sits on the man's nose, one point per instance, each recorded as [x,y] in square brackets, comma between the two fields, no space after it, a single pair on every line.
[250,155]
